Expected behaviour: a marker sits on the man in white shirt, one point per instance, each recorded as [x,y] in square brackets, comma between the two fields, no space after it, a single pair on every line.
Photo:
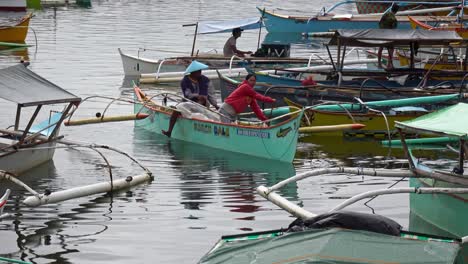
[230,48]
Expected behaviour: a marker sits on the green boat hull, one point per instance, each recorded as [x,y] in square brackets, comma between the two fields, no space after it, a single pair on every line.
[446,212]
[277,142]
[332,246]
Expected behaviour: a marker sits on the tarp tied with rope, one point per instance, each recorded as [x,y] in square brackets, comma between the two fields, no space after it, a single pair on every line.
[24,87]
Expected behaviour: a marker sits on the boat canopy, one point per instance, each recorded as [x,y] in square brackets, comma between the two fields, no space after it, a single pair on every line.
[24,87]
[393,37]
[210,27]
[450,121]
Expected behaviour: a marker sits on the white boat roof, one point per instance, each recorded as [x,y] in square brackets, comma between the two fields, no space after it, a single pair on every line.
[210,27]
[20,85]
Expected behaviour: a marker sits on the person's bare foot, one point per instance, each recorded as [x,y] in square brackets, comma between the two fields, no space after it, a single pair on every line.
[166,133]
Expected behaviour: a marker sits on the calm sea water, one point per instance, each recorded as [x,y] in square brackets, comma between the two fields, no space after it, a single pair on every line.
[199,194]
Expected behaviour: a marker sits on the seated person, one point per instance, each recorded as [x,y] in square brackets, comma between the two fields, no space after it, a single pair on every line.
[195,87]
[230,47]
[240,98]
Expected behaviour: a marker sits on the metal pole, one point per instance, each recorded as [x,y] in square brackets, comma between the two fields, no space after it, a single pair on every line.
[18,114]
[260,30]
[194,39]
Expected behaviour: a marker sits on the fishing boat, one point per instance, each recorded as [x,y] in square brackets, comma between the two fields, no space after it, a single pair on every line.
[275,23]
[276,141]
[274,54]
[316,94]
[380,6]
[457,27]
[380,116]
[13,5]
[23,149]
[338,236]
[15,31]
[446,212]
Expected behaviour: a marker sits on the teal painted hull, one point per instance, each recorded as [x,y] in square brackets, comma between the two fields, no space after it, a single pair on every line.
[280,23]
[446,212]
[277,142]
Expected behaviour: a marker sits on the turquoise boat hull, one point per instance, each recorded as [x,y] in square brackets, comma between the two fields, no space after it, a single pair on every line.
[446,212]
[277,142]
[279,23]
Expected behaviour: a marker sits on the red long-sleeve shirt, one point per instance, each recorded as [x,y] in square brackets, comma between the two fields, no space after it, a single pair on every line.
[244,96]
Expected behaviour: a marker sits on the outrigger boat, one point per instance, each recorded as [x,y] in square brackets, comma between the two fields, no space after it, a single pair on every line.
[326,22]
[23,149]
[15,31]
[369,85]
[200,125]
[457,27]
[447,212]
[345,237]
[35,144]
[340,236]
[167,67]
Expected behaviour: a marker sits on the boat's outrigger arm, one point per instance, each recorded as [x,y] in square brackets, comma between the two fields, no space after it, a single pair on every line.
[113,185]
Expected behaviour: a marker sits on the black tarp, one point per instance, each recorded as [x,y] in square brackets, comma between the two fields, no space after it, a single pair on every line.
[349,220]
[24,87]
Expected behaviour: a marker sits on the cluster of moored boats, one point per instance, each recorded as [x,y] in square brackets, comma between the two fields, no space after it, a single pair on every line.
[421,100]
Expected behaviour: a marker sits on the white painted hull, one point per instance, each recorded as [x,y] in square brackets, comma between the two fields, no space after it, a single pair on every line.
[134,66]
[12,5]
[25,159]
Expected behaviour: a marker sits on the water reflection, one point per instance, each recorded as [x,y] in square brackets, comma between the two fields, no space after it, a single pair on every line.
[31,229]
[14,55]
[205,172]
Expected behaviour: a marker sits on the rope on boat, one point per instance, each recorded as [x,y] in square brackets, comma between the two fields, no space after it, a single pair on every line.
[13,178]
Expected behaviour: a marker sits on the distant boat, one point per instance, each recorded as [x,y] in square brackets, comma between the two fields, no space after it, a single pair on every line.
[15,31]
[13,5]
[457,27]
[380,6]
[275,23]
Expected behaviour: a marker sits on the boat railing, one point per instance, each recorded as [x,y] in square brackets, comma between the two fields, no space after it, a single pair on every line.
[378,83]
[270,194]
[232,60]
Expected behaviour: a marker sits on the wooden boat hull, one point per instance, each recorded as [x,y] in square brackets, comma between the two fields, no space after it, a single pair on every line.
[332,245]
[446,212]
[369,6]
[26,159]
[281,23]
[277,142]
[13,5]
[16,33]
[461,31]
[136,66]
[374,123]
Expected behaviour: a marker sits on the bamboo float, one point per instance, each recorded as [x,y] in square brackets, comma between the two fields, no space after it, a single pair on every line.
[320,129]
[105,119]
[87,190]
[416,141]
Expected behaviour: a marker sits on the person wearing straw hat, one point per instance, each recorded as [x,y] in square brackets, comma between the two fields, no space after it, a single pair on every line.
[195,87]
[230,47]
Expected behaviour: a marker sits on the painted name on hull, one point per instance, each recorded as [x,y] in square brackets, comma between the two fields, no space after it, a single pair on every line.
[252,133]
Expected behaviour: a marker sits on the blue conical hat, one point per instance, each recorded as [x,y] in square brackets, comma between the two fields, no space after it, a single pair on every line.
[195,66]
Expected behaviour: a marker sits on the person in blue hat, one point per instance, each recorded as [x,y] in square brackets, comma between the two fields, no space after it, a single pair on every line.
[195,87]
